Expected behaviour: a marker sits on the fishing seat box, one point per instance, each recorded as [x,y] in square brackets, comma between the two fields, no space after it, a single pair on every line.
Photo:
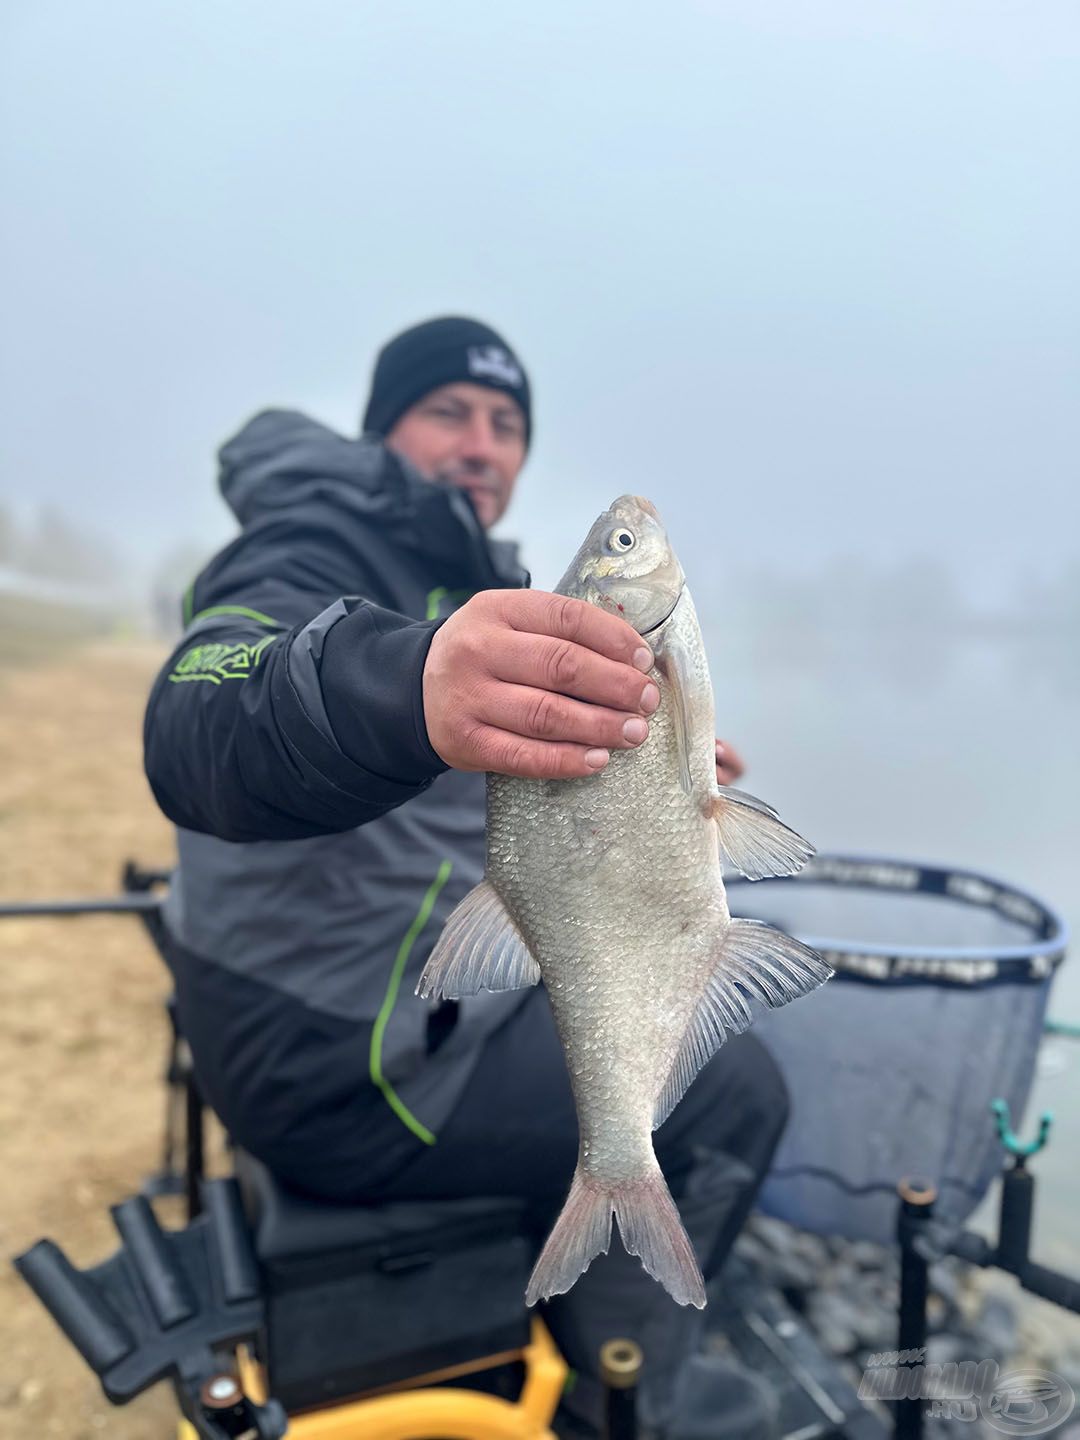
[361,1297]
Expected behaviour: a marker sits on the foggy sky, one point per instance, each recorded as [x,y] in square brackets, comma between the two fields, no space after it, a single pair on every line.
[805,274]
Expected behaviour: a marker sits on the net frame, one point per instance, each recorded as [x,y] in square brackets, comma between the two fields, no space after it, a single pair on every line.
[892,1065]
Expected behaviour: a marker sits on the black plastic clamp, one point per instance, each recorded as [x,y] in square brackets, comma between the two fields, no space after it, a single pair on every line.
[161,1305]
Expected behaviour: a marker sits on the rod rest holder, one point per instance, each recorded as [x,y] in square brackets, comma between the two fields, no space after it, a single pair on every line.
[160,1305]
[939,1240]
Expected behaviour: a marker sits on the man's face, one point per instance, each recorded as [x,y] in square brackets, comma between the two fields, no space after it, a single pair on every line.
[469,436]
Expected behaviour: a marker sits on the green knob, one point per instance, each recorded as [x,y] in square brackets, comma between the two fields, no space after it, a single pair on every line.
[1008,1137]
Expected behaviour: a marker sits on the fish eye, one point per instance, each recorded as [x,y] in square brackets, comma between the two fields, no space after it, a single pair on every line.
[622,540]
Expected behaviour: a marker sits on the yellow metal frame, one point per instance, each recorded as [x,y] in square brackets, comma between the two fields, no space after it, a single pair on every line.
[410,1413]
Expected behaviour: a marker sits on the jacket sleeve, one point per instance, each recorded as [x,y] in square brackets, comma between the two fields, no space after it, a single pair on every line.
[238,736]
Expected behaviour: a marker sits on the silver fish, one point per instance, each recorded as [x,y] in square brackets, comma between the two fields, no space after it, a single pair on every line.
[609,888]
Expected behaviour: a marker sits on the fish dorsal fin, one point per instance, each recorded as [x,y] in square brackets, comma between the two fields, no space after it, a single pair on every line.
[673,662]
[754,838]
[480,948]
[755,962]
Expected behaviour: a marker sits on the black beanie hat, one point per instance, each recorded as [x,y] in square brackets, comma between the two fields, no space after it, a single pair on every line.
[440,352]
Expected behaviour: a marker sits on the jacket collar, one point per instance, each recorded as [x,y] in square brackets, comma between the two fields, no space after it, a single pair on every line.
[281,458]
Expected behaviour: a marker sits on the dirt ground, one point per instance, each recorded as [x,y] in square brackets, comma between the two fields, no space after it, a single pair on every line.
[82,1031]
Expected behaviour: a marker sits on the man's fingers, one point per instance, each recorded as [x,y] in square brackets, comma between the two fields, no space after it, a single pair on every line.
[504,753]
[538,613]
[729,763]
[530,684]
[541,715]
[571,669]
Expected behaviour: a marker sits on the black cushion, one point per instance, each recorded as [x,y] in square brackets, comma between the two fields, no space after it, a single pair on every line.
[360,1296]
[289,1225]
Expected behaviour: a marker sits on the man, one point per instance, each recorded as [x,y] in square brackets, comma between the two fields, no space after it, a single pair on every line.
[353,661]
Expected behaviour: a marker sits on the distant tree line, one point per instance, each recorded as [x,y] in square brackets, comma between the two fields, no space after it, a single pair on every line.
[172,575]
[51,546]
[912,596]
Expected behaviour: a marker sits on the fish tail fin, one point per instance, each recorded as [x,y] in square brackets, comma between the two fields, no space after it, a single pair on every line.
[649,1225]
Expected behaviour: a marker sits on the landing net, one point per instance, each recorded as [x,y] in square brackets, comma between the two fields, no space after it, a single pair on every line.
[937,1008]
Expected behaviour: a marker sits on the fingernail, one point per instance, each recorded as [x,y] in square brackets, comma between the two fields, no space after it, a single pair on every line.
[643,659]
[597,759]
[650,698]
[719,750]
[635,729]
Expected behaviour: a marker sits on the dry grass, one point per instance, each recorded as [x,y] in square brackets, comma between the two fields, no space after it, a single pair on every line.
[82,1032]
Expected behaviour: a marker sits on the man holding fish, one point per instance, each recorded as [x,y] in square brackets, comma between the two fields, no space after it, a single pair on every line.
[353,662]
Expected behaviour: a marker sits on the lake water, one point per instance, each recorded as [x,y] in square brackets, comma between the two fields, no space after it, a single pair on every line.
[954,743]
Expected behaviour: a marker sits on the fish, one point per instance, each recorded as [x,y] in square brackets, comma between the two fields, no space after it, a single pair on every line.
[609,888]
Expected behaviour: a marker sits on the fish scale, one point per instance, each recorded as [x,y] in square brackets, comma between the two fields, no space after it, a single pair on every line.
[610,889]
[618,1055]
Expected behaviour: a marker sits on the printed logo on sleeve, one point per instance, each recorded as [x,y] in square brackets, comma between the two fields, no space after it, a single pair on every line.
[217,662]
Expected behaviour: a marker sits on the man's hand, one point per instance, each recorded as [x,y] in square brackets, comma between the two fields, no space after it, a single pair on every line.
[525,683]
[729,765]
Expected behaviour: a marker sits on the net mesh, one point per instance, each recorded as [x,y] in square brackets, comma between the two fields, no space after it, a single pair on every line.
[891,1066]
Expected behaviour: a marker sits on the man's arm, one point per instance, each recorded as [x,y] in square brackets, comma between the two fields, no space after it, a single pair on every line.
[281,716]
[238,737]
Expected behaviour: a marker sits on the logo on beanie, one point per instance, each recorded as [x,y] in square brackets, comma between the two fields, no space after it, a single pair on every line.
[492,362]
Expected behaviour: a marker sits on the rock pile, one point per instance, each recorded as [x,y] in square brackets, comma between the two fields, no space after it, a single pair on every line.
[847,1291]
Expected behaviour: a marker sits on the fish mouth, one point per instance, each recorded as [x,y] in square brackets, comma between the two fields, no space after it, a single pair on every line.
[646,505]
[665,618]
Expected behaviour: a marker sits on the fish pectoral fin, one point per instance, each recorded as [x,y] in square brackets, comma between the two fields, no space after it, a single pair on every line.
[755,962]
[480,948]
[673,662]
[754,838]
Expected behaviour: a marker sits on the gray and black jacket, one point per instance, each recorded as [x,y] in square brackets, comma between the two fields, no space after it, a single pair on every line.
[322,842]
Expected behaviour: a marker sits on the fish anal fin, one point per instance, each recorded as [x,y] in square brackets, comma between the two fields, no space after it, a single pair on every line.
[755,962]
[480,948]
[754,838]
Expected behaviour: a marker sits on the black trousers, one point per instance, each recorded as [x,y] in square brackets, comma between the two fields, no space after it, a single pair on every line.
[291,1085]
[515,1132]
